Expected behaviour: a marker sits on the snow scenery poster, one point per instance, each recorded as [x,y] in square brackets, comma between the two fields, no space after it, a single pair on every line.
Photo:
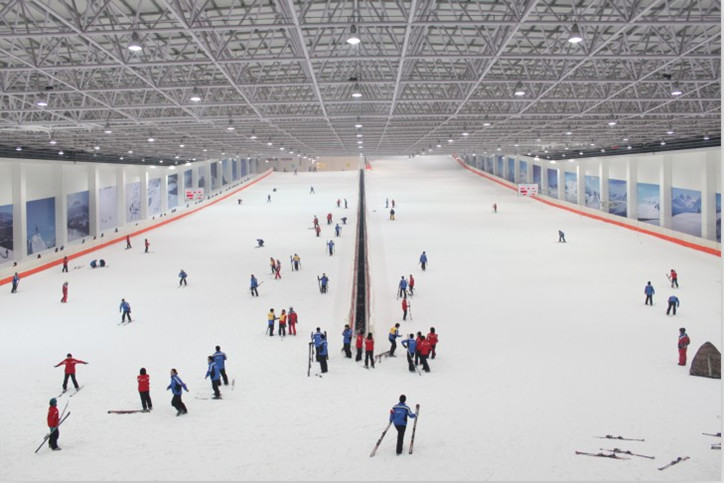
[6,233]
[244,167]
[41,224]
[686,211]
[133,201]
[593,192]
[234,170]
[172,191]
[107,207]
[214,176]
[537,176]
[154,196]
[648,202]
[500,166]
[553,183]
[523,172]
[188,174]
[571,187]
[78,215]
[511,170]
[617,198]
[201,182]
[224,170]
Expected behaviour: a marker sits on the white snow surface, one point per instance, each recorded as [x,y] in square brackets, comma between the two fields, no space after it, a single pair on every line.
[543,345]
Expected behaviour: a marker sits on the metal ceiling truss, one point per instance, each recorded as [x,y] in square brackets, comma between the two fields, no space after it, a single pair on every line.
[427,71]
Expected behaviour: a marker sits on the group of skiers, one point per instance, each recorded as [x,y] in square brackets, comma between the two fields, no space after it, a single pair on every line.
[291,318]
[672,305]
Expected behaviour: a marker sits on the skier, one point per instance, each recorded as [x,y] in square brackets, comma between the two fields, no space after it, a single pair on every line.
[338,202]
[674,277]
[359,340]
[369,351]
[270,318]
[683,344]
[283,323]
[268,198]
[176,386]
[295,262]
[220,360]
[392,214]
[398,416]
[495,207]
[315,221]
[649,291]
[394,334]
[65,292]
[311,190]
[424,353]
[128,242]
[345,203]
[182,278]
[213,371]
[432,339]
[323,280]
[410,345]
[387,202]
[402,286]
[16,281]
[418,340]
[278,270]
[102,263]
[259,243]
[292,321]
[329,218]
[330,246]
[347,341]
[423,261]
[673,304]
[337,230]
[144,388]
[125,308]
[53,422]
[323,353]
[317,229]
[238,202]
[147,244]
[273,265]
[253,286]
[65,264]
[411,285]
[393,203]
[404,308]
[69,364]
[344,220]
[561,237]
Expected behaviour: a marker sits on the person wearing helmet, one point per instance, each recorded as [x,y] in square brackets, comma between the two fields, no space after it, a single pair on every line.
[53,422]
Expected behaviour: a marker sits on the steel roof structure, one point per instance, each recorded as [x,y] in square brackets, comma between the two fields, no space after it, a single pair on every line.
[431,76]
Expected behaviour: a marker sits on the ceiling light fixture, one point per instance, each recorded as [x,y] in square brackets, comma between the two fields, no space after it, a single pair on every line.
[519,91]
[52,141]
[358,124]
[195,95]
[269,143]
[612,122]
[486,122]
[450,139]
[61,152]
[230,126]
[663,143]
[253,134]
[706,137]
[107,128]
[356,92]
[353,39]
[670,130]
[18,148]
[575,35]
[151,138]
[135,44]
[676,91]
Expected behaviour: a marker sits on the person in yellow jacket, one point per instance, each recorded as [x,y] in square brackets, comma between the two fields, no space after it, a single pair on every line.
[394,334]
[283,323]
[271,317]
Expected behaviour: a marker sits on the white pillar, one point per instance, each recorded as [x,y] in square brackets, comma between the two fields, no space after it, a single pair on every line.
[94,221]
[144,195]
[529,173]
[631,190]
[121,196]
[544,180]
[61,207]
[20,214]
[665,192]
[516,170]
[561,183]
[603,179]
[710,168]
[581,184]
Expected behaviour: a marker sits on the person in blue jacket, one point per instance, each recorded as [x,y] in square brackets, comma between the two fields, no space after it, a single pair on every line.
[398,416]
[423,261]
[125,309]
[213,372]
[402,286]
[16,280]
[330,246]
[394,334]
[347,341]
[220,360]
[411,347]
[253,284]
[182,278]
[323,353]
[323,281]
[337,230]
[317,340]
[177,386]
[649,291]
[673,303]
[94,263]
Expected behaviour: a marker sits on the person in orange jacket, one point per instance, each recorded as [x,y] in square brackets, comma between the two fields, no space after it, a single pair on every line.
[411,285]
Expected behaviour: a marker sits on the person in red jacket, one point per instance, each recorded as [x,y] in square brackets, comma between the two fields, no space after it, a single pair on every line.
[147,244]
[65,293]
[424,352]
[404,308]
[329,218]
[317,229]
[432,339]
[144,389]
[292,319]
[683,344]
[358,345]
[674,277]
[128,242]
[369,350]
[70,363]
[315,221]
[53,422]
[411,285]
[418,339]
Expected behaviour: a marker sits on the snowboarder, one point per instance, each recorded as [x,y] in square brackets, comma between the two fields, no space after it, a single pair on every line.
[295,262]
[253,286]
[423,261]
[674,277]
[317,229]
[177,387]
[65,264]
[683,344]
[402,287]
[392,214]
[673,304]
[411,285]
[270,318]
[404,308]
[182,278]
[259,243]
[337,230]
[278,270]
[432,339]
[69,364]
[16,281]
[359,340]
[329,218]
[410,345]
[323,281]
[147,244]
[213,371]
[125,309]
[128,242]
[53,422]
[144,388]
[561,237]
[220,360]
[283,323]
[369,350]
[398,416]
[292,321]
[65,292]
[347,341]
[330,247]
[649,291]
[495,207]
[394,334]
[424,353]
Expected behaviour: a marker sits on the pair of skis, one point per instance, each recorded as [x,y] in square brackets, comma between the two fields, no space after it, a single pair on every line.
[62,419]
[412,439]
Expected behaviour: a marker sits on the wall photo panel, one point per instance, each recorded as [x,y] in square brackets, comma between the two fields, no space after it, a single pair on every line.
[107,207]
[6,233]
[154,196]
[172,191]
[553,183]
[617,197]
[593,192]
[648,203]
[133,201]
[41,225]
[686,211]
[78,208]
[571,188]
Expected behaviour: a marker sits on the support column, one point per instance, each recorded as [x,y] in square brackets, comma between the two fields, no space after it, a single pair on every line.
[180,183]
[581,185]
[20,214]
[632,180]
[94,221]
[529,173]
[544,180]
[665,192]
[710,169]
[144,195]
[164,190]
[561,183]
[516,170]
[603,179]
[61,207]
[121,196]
